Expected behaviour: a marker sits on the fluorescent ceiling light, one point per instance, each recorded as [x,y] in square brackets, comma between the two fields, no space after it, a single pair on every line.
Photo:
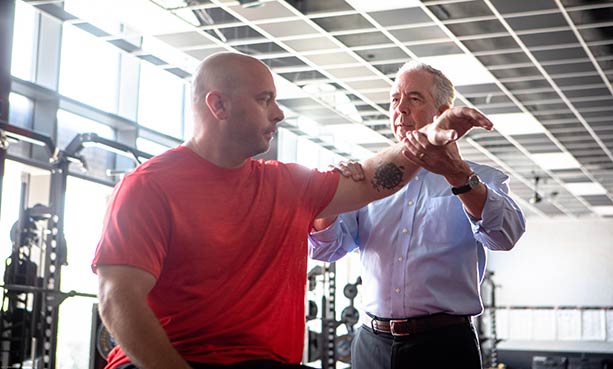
[286,89]
[603,210]
[355,133]
[151,20]
[516,124]
[461,69]
[586,188]
[556,160]
[374,5]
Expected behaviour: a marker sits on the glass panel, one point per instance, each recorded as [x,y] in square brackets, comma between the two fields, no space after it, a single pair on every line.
[20,110]
[89,69]
[96,159]
[160,103]
[150,147]
[24,40]
[85,208]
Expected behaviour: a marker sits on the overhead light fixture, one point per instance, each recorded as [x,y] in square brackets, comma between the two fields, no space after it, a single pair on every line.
[516,124]
[461,69]
[536,198]
[603,210]
[250,3]
[555,160]
[586,188]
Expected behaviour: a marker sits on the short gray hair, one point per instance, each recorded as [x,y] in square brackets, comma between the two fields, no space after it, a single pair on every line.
[442,90]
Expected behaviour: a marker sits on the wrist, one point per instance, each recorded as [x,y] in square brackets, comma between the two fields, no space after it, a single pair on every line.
[459,177]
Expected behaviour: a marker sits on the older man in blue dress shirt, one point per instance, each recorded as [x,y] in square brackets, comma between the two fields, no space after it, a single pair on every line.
[423,248]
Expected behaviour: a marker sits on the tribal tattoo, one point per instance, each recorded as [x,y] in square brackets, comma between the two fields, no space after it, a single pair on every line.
[387,176]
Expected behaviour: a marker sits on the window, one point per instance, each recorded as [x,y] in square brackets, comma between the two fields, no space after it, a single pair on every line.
[20,111]
[24,41]
[85,207]
[96,159]
[150,147]
[89,69]
[160,105]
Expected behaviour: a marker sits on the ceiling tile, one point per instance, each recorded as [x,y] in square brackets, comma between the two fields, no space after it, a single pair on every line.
[332,58]
[477,27]
[269,10]
[349,72]
[185,39]
[537,21]
[289,28]
[549,38]
[312,44]
[465,9]
[261,49]
[319,6]
[381,54]
[343,23]
[493,43]
[505,6]
[364,39]
[435,49]
[419,34]
[401,17]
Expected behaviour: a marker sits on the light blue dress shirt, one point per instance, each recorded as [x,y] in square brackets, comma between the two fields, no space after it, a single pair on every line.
[421,252]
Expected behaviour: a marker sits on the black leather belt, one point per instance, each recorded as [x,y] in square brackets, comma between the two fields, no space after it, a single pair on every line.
[409,326]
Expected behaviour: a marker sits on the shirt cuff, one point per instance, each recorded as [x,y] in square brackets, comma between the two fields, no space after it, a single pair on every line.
[491,216]
[328,234]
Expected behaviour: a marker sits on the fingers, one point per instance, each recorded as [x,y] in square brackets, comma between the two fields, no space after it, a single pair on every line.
[477,118]
[349,169]
[454,123]
[416,147]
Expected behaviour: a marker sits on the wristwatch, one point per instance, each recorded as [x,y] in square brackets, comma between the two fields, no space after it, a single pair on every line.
[472,182]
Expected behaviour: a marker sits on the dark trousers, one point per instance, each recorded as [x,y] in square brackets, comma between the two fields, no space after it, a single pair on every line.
[256,364]
[454,346]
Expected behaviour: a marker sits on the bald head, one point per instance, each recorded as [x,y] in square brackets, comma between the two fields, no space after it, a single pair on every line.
[224,72]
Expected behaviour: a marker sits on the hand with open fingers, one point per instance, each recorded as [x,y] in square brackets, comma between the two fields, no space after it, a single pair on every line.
[444,160]
[454,123]
[350,169]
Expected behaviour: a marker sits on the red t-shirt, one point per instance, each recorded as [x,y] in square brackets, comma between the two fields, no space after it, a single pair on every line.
[228,248]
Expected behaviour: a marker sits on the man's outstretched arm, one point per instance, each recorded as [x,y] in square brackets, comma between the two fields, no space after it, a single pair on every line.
[389,170]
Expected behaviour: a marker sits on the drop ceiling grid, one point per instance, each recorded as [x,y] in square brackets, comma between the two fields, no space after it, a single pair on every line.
[525,152]
[564,49]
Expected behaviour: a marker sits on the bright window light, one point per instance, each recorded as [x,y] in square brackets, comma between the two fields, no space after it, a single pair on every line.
[373,6]
[82,54]
[516,124]
[461,69]
[23,54]
[556,160]
[160,104]
[355,133]
[603,210]
[586,188]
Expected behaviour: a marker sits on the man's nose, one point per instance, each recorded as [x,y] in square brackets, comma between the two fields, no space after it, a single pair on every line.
[403,105]
[278,114]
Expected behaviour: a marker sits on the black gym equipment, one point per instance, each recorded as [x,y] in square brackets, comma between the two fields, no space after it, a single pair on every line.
[31,289]
[327,346]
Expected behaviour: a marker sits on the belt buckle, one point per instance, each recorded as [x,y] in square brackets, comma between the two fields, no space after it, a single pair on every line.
[393,323]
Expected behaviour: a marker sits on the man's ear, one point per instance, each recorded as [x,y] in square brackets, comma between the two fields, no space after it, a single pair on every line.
[217,104]
[442,108]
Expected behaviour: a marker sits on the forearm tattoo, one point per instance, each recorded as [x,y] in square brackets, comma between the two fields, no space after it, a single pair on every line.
[387,176]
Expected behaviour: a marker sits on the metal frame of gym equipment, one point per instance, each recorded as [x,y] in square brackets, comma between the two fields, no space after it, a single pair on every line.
[31,290]
[327,346]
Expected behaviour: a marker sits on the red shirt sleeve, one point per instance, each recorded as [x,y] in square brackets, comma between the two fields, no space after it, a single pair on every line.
[136,226]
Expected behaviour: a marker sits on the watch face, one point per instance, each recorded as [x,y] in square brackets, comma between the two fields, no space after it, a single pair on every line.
[474,180]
